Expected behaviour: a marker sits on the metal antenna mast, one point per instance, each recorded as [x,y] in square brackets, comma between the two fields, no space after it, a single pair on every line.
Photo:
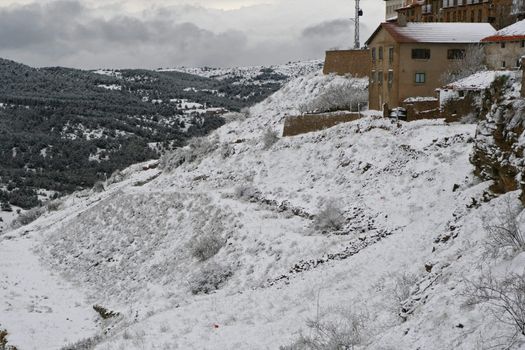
[358,13]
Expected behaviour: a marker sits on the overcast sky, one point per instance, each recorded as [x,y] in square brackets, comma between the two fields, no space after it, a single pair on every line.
[167,33]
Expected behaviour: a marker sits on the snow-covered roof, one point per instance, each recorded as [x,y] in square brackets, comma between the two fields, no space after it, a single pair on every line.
[437,32]
[476,81]
[420,99]
[515,31]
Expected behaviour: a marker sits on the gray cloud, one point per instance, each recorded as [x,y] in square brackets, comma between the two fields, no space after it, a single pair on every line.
[72,33]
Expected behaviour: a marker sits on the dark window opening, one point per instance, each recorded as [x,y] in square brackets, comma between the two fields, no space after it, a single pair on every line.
[421,54]
[456,54]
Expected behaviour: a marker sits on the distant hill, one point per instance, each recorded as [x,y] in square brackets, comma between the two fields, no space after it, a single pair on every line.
[64,129]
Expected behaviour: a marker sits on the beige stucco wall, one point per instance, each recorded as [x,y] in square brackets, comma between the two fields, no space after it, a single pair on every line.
[433,69]
[383,93]
[405,68]
[511,54]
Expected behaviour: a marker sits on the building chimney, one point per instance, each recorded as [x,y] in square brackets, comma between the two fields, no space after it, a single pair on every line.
[401,20]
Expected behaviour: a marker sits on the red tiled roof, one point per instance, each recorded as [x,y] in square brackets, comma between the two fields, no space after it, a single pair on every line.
[514,32]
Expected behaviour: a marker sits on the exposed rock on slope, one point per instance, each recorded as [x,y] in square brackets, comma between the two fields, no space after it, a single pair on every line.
[498,154]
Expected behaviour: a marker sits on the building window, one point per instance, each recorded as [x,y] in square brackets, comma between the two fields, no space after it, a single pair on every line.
[380,77]
[373,77]
[390,78]
[503,45]
[456,54]
[420,78]
[380,53]
[421,54]
[503,64]
[390,54]
[373,54]
[480,16]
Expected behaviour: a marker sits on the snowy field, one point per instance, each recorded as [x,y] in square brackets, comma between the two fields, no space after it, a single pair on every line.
[391,271]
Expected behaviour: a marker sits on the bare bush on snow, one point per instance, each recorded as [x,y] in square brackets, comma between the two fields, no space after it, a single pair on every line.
[209,233]
[196,150]
[344,96]
[210,278]
[472,62]
[27,217]
[330,217]
[504,229]
[269,138]
[336,331]
[247,192]
[54,205]
[206,244]
[506,297]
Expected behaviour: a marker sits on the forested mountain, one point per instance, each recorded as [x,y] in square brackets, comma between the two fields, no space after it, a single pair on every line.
[64,129]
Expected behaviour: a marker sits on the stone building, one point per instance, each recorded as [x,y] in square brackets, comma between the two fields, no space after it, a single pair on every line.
[465,97]
[342,62]
[505,48]
[408,59]
[499,13]
[391,7]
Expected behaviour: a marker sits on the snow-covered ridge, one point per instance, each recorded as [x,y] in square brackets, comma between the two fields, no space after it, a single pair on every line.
[249,74]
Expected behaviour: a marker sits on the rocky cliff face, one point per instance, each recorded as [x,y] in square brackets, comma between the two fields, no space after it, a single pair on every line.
[500,137]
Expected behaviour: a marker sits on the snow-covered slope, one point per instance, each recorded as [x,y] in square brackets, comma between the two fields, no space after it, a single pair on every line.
[255,74]
[395,267]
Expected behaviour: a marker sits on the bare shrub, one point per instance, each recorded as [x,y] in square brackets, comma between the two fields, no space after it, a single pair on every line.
[54,205]
[164,328]
[472,62]
[27,217]
[116,177]
[329,218]
[196,149]
[247,192]
[3,341]
[104,312]
[227,150]
[343,332]
[270,137]
[403,284]
[504,230]
[235,116]
[210,278]
[84,344]
[206,244]
[506,296]
[338,97]
[99,187]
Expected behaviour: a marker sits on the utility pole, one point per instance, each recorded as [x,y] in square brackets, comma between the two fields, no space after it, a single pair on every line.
[358,13]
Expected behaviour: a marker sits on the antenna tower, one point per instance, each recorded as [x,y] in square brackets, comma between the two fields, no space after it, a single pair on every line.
[358,13]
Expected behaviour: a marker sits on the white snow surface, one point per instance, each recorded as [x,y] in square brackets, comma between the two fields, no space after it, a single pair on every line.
[478,81]
[441,32]
[401,186]
[514,30]
[291,70]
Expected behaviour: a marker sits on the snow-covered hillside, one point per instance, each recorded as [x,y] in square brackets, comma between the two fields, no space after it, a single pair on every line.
[254,75]
[371,231]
